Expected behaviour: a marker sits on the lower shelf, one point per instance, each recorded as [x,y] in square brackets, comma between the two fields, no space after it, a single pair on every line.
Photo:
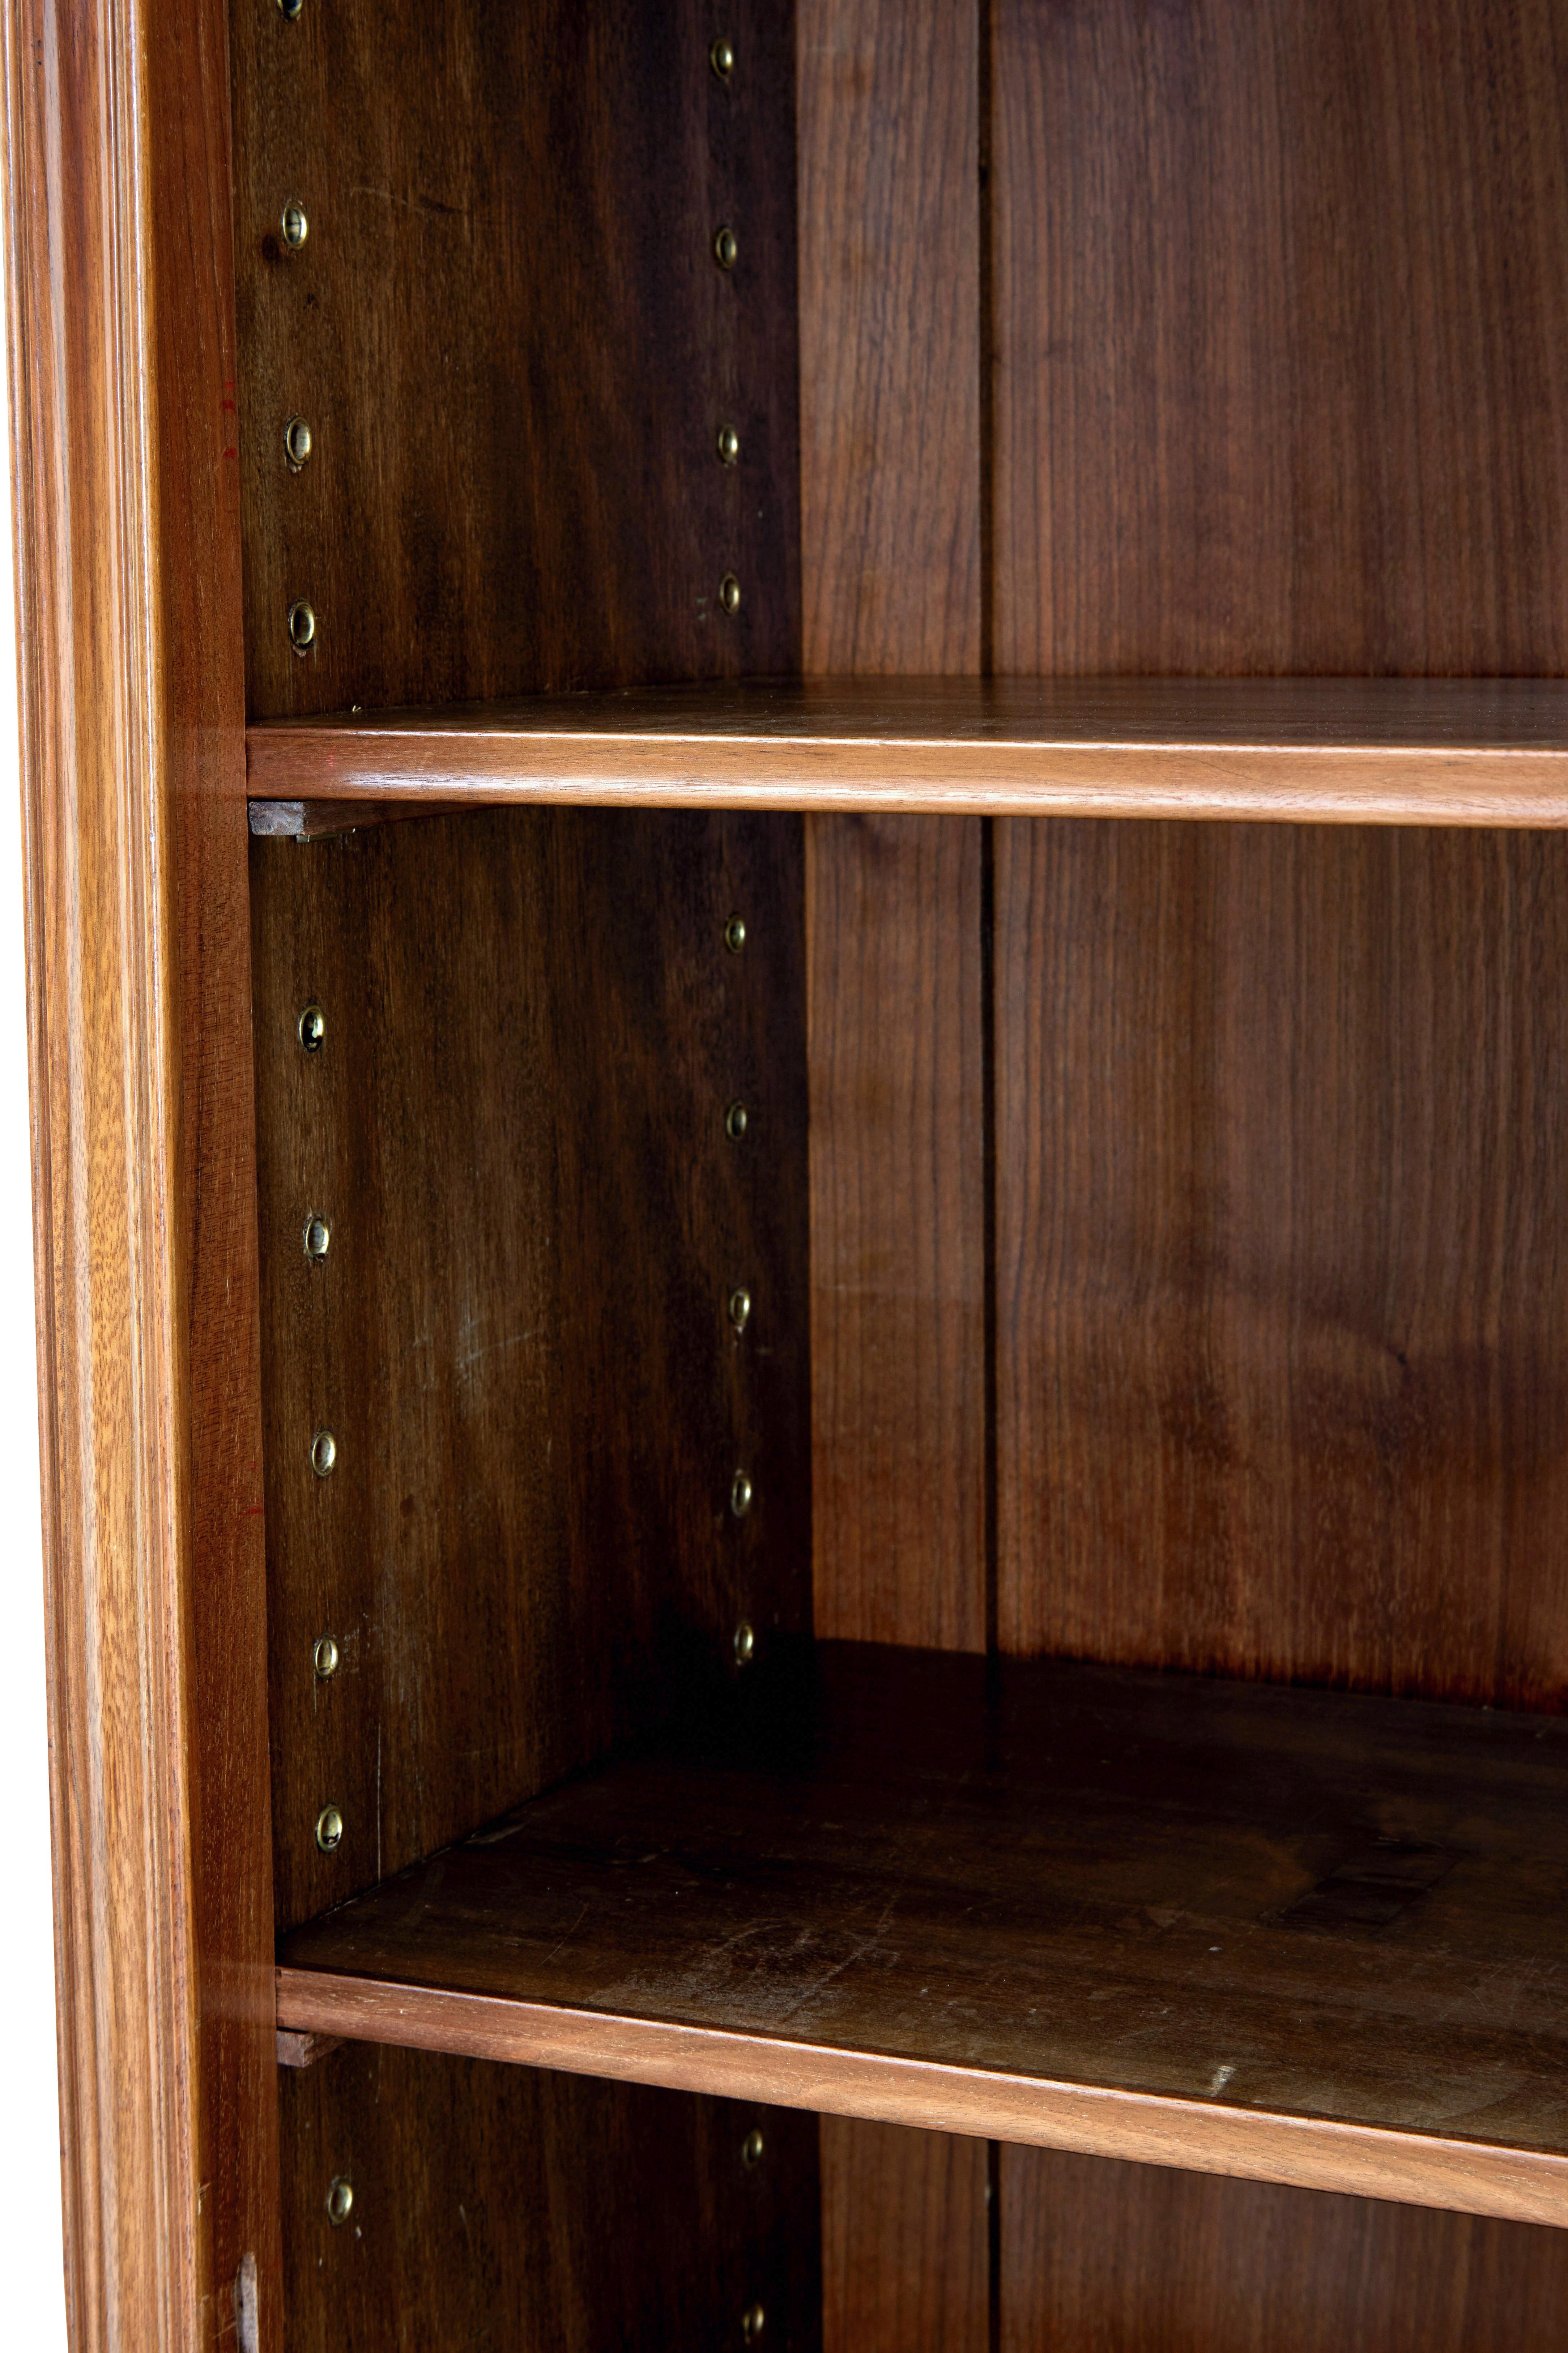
[1298,1935]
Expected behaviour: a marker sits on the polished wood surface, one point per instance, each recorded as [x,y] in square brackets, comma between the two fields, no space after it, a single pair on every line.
[897,1262]
[1294,1934]
[515,1130]
[1145,2259]
[1283,1262]
[502,2206]
[905,2252]
[891,526]
[1351,751]
[889,295]
[199,590]
[133,763]
[1277,326]
[513,346]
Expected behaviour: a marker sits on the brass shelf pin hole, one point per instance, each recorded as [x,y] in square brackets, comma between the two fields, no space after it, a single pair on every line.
[323,1455]
[340,2203]
[329,1829]
[291,10]
[735,934]
[721,57]
[297,443]
[751,2149]
[313,1028]
[294,224]
[746,1644]
[752,2322]
[324,1658]
[735,1121]
[740,1495]
[302,626]
[726,246]
[740,1307]
[318,1238]
[730,593]
[728,444]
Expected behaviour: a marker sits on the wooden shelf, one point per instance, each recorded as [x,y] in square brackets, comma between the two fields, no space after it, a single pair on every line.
[1298,1935]
[1386,751]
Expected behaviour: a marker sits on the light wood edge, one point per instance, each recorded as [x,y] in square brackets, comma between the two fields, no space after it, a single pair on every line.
[114,1405]
[1283,784]
[1305,2152]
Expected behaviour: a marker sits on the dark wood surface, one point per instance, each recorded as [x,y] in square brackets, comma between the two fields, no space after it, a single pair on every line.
[199,592]
[905,2255]
[506,2206]
[892,549]
[519,1338]
[897,1262]
[890,292]
[1278,319]
[1283,1262]
[1277,1919]
[121,342]
[1116,2258]
[1440,751]
[514,347]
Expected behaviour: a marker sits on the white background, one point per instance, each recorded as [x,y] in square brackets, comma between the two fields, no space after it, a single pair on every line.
[32,2275]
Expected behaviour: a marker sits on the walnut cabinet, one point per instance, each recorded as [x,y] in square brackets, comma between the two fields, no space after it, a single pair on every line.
[797,790]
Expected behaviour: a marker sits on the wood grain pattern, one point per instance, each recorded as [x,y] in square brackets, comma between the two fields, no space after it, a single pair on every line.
[1142,2259]
[514,347]
[904,2240]
[502,2206]
[515,1130]
[1294,1934]
[1475,751]
[1282,1253]
[1418,2168]
[123,368]
[898,1260]
[891,565]
[889,351]
[214,1222]
[1277,319]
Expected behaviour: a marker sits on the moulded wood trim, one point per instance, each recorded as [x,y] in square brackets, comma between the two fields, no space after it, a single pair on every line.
[1468,751]
[111,1413]
[120,344]
[1309,2152]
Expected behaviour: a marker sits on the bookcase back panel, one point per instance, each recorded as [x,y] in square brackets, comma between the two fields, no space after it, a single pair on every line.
[1283,1252]
[513,346]
[892,514]
[1145,2259]
[509,2208]
[906,2240]
[1278,316]
[519,1335]
[897,1266]
[893,543]
[893,553]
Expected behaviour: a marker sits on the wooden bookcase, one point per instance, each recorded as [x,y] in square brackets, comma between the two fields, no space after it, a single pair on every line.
[796,785]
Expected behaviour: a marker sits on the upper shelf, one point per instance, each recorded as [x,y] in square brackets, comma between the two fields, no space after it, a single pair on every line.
[1296,1934]
[1364,751]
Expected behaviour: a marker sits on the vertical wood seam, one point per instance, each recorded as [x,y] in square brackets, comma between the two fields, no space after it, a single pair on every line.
[985,357]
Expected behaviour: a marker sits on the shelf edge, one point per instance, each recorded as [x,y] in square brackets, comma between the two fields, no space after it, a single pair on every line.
[1276,783]
[1197,2135]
